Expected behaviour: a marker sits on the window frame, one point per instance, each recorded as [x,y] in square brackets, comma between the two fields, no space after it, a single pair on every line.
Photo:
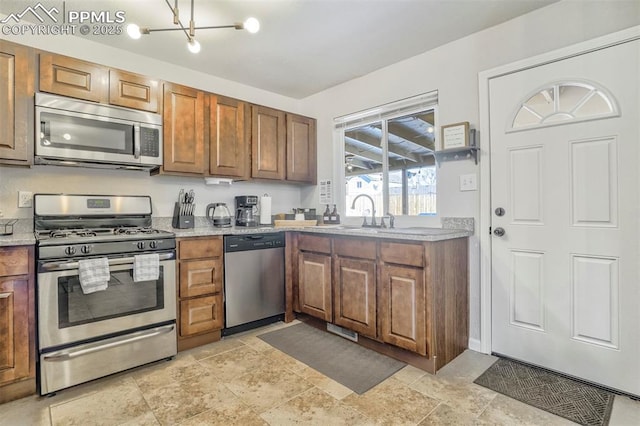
[382,114]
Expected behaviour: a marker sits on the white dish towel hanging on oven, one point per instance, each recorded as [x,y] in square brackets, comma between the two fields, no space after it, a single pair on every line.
[94,274]
[146,267]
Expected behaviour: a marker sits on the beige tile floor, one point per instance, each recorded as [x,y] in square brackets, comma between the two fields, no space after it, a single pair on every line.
[243,381]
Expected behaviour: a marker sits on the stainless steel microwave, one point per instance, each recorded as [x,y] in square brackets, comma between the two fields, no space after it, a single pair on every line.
[74,132]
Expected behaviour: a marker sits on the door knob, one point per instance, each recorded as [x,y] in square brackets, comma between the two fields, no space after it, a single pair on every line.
[498,232]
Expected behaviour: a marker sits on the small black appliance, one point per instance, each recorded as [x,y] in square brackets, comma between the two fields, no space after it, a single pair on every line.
[246,210]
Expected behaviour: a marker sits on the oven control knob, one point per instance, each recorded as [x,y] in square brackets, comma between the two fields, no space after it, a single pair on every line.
[85,249]
[70,250]
[141,245]
[153,244]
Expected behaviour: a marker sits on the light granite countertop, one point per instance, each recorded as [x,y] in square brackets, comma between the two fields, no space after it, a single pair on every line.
[17,239]
[413,234]
[24,236]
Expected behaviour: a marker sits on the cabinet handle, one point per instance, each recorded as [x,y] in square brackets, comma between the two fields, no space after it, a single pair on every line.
[5,295]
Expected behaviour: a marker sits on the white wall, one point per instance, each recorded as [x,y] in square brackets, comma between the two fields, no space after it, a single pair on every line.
[453,71]
[162,189]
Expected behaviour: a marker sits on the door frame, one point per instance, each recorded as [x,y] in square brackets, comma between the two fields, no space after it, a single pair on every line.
[484,78]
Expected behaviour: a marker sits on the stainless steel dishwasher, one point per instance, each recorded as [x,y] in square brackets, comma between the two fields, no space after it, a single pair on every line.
[253,280]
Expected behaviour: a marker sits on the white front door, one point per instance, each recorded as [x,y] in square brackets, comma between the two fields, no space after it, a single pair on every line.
[564,171]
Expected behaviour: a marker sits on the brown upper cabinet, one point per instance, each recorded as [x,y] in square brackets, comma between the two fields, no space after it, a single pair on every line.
[135,91]
[283,145]
[301,149]
[204,134]
[228,137]
[183,129]
[268,143]
[75,78]
[16,103]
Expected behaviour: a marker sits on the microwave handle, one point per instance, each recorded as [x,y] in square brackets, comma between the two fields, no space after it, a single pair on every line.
[136,141]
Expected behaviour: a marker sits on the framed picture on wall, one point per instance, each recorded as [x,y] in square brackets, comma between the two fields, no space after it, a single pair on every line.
[455,135]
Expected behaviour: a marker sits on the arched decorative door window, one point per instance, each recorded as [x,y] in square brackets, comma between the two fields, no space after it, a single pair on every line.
[562,103]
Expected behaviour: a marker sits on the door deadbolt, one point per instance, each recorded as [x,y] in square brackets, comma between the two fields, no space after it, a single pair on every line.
[500,211]
[498,232]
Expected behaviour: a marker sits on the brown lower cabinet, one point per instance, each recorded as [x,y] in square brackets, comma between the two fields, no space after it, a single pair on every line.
[406,299]
[200,291]
[402,308]
[354,285]
[315,285]
[17,323]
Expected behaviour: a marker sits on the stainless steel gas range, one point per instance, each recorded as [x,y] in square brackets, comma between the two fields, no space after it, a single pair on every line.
[85,333]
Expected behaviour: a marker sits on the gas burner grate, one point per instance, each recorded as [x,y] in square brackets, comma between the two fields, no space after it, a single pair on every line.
[59,233]
[86,233]
[134,230]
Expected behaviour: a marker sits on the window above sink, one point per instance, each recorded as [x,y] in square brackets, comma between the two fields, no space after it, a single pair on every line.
[388,155]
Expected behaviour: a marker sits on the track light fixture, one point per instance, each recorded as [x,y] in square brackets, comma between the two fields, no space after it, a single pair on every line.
[135,32]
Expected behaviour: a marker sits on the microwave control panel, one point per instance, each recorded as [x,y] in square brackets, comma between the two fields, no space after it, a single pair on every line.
[149,142]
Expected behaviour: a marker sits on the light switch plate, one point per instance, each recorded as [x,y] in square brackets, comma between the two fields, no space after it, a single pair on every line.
[468,182]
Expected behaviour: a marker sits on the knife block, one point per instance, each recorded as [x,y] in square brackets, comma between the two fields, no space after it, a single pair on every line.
[181,221]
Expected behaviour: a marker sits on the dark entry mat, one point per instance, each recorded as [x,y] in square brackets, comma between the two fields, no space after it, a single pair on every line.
[562,396]
[346,362]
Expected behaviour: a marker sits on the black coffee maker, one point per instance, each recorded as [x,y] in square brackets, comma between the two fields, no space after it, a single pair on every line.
[246,210]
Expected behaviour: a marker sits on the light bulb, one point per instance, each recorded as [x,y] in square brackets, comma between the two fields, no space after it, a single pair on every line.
[193,45]
[252,25]
[134,31]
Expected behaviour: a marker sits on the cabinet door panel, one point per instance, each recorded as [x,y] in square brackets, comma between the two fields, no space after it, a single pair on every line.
[355,295]
[193,248]
[403,308]
[183,119]
[301,149]
[314,243]
[200,277]
[134,91]
[268,143]
[200,315]
[14,328]
[228,147]
[14,261]
[72,77]
[314,285]
[16,90]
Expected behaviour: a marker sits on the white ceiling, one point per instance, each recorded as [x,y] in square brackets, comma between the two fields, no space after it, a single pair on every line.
[304,46]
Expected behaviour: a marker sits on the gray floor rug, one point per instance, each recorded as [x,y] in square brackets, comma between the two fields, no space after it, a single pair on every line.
[562,396]
[346,362]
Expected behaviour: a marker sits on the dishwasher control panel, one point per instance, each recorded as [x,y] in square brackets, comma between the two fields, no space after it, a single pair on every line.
[258,241]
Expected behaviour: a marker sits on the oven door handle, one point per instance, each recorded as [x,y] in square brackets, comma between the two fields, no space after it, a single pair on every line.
[65,355]
[58,266]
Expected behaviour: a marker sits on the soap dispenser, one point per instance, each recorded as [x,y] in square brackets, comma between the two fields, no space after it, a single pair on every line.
[326,216]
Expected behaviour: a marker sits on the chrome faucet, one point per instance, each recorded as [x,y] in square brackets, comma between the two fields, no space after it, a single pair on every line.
[392,219]
[373,210]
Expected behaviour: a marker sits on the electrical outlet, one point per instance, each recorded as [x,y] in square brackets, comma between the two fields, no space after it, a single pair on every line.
[468,182]
[25,199]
